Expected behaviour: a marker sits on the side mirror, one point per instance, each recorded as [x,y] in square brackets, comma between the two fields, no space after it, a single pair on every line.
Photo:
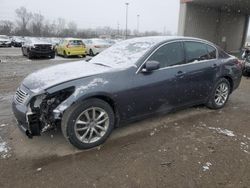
[151,66]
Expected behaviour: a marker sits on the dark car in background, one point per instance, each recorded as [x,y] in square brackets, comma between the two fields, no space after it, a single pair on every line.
[246,62]
[5,41]
[131,80]
[34,47]
[17,41]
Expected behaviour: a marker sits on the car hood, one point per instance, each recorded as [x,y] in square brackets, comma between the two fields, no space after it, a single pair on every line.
[40,80]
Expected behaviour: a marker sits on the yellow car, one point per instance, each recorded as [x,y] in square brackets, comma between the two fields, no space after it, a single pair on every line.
[71,47]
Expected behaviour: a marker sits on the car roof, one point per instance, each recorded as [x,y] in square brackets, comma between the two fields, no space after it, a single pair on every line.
[72,39]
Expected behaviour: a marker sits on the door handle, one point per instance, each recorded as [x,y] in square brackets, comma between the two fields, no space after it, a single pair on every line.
[180,74]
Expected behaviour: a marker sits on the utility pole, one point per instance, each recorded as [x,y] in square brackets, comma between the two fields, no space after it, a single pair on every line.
[138,23]
[126,32]
[118,29]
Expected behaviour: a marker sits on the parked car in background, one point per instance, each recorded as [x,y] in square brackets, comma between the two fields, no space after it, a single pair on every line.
[246,62]
[5,41]
[71,47]
[34,47]
[131,80]
[96,46]
[17,41]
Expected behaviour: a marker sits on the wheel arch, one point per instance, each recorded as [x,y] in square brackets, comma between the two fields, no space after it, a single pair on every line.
[230,80]
[108,99]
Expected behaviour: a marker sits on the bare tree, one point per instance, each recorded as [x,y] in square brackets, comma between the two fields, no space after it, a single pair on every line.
[37,24]
[60,26]
[24,18]
[72,29]
[6,27]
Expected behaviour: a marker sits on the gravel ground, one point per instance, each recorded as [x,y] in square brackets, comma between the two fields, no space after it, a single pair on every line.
[196,147]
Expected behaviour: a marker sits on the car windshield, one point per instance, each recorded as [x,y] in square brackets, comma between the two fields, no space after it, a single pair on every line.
[126,53]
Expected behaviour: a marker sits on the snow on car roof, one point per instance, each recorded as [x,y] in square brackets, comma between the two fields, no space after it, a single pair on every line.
[33,40]
[128,52]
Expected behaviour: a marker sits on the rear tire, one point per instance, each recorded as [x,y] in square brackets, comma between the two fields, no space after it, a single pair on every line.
[91,53]
[65,54]
[82,116]
[245,73]
[220,94]
[23,52]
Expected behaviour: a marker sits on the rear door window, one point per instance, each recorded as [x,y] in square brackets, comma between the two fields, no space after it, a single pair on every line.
[169,55]
[75,42]
[196,51]
[211,51]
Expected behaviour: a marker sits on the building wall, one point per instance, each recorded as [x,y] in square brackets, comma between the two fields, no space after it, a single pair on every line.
[200,22]
[232,30]
[227,29]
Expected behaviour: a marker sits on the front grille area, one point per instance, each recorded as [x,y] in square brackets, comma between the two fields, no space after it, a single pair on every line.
[43,48]
[20,96]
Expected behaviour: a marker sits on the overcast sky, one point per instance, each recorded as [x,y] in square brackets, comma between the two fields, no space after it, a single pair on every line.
[154,14]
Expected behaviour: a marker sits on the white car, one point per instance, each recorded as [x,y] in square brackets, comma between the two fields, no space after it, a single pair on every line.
[5,41]
[95,46]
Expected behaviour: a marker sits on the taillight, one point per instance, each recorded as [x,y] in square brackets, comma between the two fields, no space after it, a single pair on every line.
[67,46]
[239,63]
[96,46]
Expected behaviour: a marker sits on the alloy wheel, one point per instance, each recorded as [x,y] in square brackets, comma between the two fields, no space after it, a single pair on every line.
[221,94]
[91,125]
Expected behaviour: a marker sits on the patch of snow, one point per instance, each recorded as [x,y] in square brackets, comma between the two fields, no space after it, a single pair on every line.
[244,146]
[93,83]
[206,167]
[222,131]
[4,149]
[3,125]
[246,152]
[152,133]
[39,169]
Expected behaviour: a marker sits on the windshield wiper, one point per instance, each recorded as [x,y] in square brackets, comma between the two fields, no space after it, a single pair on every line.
[102,64]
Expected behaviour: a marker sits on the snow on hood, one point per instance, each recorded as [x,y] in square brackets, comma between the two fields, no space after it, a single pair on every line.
[57,74]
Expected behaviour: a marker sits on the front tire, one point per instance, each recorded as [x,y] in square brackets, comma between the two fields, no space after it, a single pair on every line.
[220,94]
[29,55]
[52,56]
[88,124]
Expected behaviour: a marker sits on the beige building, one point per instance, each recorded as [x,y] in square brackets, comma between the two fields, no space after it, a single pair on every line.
[224,22]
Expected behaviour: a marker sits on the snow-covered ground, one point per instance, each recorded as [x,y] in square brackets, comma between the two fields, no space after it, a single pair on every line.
[4,148]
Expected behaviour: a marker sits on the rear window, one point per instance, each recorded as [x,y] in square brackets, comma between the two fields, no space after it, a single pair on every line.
[196,51]
[211,52]
[75,42]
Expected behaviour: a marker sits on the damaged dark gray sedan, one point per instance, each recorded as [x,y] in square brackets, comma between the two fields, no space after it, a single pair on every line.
[129,81]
